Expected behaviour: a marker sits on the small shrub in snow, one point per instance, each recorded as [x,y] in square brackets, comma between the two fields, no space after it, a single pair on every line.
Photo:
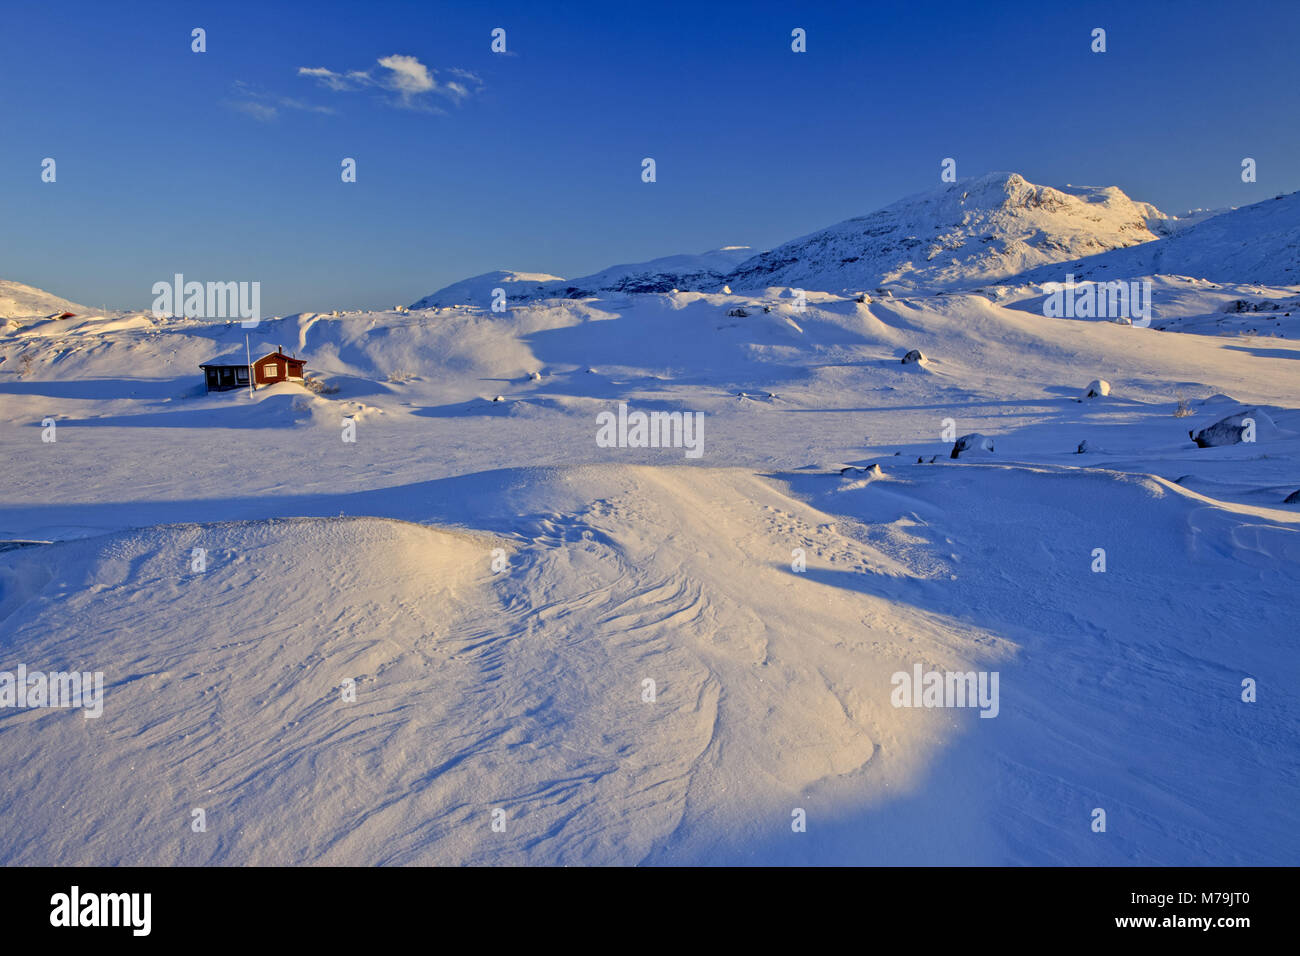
[1184,409]
[320,388]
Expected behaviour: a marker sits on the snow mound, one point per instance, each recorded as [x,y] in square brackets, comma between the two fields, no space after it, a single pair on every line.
[237,686]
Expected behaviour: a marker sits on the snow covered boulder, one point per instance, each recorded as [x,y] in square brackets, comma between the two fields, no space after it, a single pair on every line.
[1097,388]
[972,444]
[914,357]
[1243,426]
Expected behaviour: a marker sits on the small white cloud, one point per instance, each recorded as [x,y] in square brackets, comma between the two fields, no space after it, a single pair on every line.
[327,78]
[410,76]
[265,106]
[259,111]
[411,81]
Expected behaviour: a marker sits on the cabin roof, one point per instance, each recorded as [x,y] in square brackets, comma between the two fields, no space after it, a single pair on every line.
[279,353]
[228,361]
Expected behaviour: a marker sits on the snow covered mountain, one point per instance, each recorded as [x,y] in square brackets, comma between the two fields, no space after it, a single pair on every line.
[478,289]
[1259,243]
[963,235]
[704,272]
[21,301]
[966,234]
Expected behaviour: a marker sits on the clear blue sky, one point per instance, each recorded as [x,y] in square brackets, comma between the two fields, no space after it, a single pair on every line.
[225,165]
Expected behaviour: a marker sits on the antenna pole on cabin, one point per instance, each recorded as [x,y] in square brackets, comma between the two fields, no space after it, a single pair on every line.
[249,352]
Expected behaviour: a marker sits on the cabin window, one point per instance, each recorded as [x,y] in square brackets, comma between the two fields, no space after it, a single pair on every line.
[227,376]
[241,375]
[271,371]
[212,377]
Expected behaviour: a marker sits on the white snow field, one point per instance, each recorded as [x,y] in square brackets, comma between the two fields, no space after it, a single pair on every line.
[501,586]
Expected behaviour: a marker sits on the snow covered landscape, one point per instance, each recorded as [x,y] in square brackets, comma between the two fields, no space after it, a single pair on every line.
[416,610]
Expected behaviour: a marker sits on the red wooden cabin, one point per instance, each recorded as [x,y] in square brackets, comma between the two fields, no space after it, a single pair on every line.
[277,367]
[268,370]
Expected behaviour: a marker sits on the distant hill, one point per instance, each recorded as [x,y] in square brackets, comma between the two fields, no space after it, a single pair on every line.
[1259,243]
[697,272]
[18,301]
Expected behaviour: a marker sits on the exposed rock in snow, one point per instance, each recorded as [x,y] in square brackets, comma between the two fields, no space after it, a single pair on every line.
[972,444]
[914,357]
[1293,498]
[1241,426]
[872,470]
